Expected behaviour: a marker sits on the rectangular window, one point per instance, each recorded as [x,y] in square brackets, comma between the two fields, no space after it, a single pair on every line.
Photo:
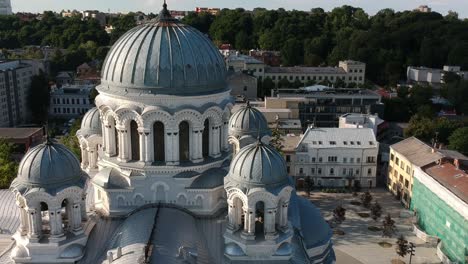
[345,160]
[301,170]
[288,158]
[320,159]
[313,159]
[319,171]
[312,171]
[406,183]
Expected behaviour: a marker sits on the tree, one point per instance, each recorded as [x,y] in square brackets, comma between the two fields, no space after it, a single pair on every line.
[8,166]
[402,246]
[276,138]
[292,53]
[420,127]
[459,140]
[339,214]
[376,211]
[388,226]
[39,98]
[366,199]
[71,140]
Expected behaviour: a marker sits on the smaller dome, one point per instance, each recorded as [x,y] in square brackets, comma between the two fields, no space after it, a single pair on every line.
[258,165]
[284,250]
[248,121]
[49,166]
[72,252]
[91,123]
[232,249]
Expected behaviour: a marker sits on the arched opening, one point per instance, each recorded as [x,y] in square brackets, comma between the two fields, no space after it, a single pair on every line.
[206,139]
[158,141]
[199,201]
[238,214]
[160,193]
[184,141]
[65,212]
[45,218]
[259,220]
[134,140]
[182,200]
[120,202]
[138,200]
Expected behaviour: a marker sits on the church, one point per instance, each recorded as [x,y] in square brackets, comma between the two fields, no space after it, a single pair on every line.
[168,173]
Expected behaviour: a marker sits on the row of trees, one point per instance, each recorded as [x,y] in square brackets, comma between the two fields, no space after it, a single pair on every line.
[318,37]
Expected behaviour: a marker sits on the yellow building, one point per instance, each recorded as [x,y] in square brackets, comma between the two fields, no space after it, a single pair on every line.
[405,157]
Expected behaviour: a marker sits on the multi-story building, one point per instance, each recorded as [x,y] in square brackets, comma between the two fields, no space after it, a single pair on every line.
[337,157]
[22,137]
[95,14]
[70,101]
[348,71]
[270,58]
[15,83]
[373,122]
[213,11]
[440,200]
[432,76]
[5,7]
[423,9]
[242,85]
[324,108]
[405,157]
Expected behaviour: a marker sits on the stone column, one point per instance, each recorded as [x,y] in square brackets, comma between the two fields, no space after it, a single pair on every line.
[84,215]
[284,216]
[246,220]
[225,134]
[76,225]
[232,217]
[168,147]
[93,156]
[23,228]
[269,225]
[215,142]
[142,137]
[84,158]
[198,145]
[175,147]
[58,221]
[104,137]
[149,148]
[110,140]
[35,224]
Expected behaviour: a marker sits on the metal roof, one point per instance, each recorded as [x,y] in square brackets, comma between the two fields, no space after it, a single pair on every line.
[18,133]
[339,138]
[48,167]
[305,70]
[416,151]
[91,123]
[166,57]
[248,121]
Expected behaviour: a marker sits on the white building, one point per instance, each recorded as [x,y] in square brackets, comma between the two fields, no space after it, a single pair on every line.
[163,184]
[337,157]
[433,76]
[70,101]
[348,71]
[5,7]
[361,121]
[15,83]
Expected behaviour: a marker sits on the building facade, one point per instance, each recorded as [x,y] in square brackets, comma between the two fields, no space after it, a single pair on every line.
[433,76]
[15,83]
[5,7]
[337,157]
[324,108]
[242,85]
[440,200]
[70,101]
[362,121]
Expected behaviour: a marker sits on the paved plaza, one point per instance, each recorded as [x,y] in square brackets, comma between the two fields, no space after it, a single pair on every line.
[359,244]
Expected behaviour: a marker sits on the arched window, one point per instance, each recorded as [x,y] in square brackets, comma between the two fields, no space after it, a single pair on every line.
[182,200]
[66,212]
[259,220]
[158,141]
[199,201]
[134,140]
[184,141]
[120,202]
[138,200]
[206,139]
[45,218]
[160,194]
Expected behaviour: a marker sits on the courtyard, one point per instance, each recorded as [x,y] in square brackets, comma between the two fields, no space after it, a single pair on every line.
[358,244]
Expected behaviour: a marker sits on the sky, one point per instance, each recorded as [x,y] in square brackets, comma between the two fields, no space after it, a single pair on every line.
[370,6]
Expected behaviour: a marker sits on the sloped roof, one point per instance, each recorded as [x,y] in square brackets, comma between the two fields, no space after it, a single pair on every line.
[416,151]
[339,138]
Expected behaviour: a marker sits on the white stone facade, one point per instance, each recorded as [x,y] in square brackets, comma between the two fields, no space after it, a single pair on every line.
[149,168]
[336,157]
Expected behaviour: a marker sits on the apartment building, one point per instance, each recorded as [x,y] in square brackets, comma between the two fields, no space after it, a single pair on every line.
[70,101]
[15,83]
[348,71]
[337,157]
[324,108]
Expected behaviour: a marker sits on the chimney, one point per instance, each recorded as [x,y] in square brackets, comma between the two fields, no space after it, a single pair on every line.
[456,163]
